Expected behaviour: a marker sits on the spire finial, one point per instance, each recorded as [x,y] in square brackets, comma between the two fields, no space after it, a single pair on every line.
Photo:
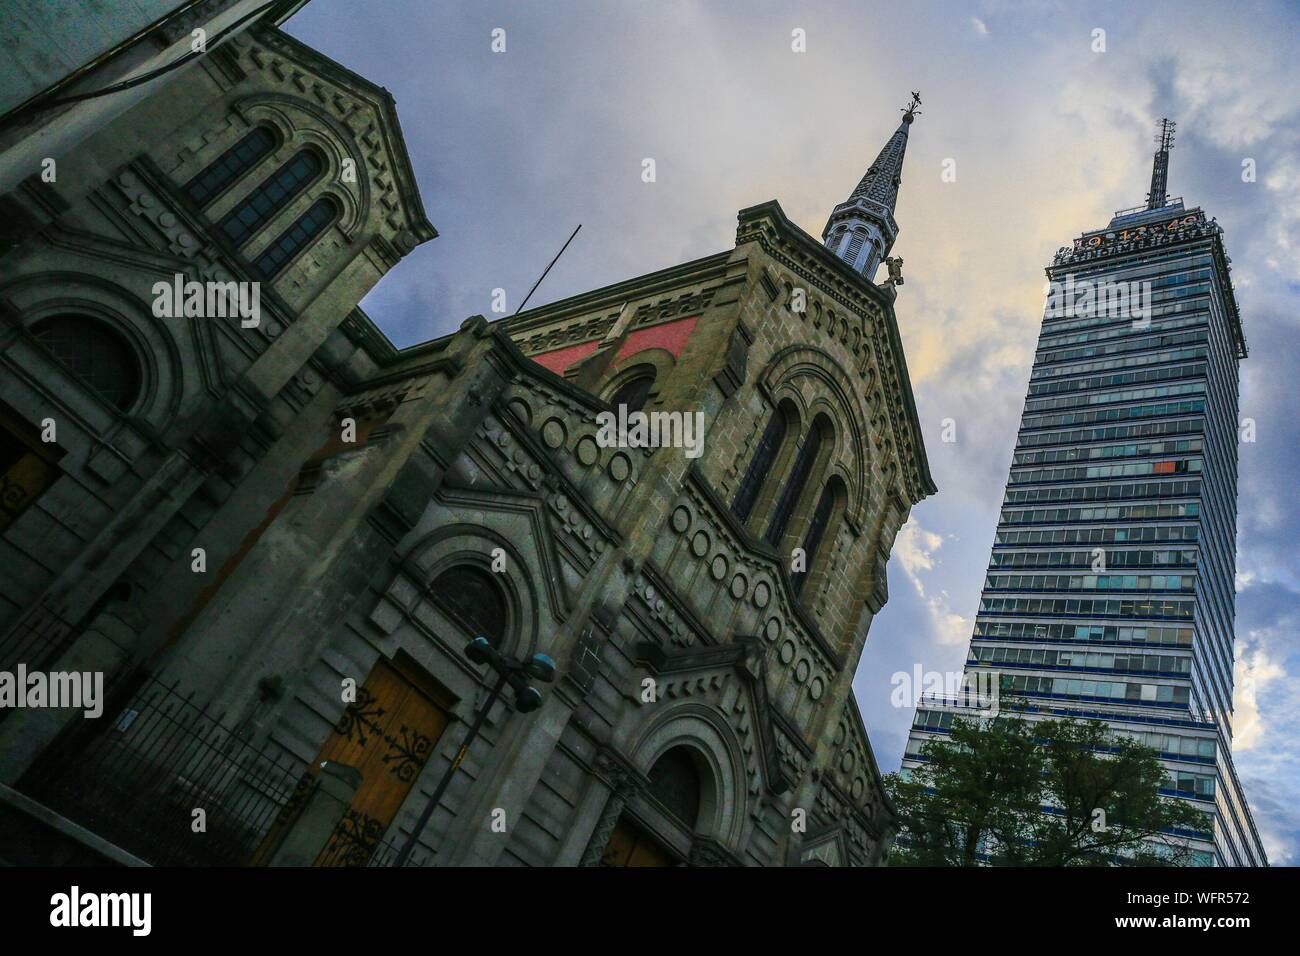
[910,111]
[861,230]
[1160,167]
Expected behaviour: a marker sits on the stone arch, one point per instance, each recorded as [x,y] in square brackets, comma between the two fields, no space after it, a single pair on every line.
[474,545]
[816,449]
[838,395]
[720,760]
[660,361]
[300,122]
[787,407]
[623,380]
[150,339]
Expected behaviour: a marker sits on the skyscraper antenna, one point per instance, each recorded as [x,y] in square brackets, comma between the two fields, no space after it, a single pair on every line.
[1160,168]
[1165,138]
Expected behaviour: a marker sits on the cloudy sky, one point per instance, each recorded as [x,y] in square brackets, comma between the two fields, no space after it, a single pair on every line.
[1049,134]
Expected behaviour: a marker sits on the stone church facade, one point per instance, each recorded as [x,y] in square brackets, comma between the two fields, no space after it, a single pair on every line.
[275,539]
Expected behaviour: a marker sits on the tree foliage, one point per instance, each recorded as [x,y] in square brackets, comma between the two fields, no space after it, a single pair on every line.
[1011,792]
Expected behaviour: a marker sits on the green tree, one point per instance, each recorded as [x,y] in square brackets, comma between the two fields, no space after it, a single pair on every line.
[1005,791]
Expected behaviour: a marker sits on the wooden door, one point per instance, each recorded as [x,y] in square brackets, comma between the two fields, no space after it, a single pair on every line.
[630,845]
[388,735]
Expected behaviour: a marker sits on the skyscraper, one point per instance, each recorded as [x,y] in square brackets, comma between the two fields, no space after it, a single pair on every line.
[1110,588]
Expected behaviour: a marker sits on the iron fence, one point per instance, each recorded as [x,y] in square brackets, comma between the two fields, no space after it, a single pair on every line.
[36,641]
[169,783]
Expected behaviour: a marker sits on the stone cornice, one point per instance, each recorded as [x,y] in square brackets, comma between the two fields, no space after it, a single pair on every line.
[709,268]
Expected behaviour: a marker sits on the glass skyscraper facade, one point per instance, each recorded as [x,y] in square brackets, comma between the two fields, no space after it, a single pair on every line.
[1110,587]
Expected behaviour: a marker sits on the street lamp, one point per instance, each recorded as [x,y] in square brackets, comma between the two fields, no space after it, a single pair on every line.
[527,698]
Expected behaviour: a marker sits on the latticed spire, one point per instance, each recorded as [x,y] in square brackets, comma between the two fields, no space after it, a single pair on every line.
[861,230]
[881,181]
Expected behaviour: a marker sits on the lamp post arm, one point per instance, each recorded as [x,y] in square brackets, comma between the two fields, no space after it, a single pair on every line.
[474,728]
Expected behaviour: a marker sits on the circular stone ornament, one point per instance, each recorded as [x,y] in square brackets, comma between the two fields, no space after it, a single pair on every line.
[553,433]
[681,519]
[587,451]
[700,544]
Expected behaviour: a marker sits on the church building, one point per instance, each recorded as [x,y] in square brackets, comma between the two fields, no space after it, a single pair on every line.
[270,534]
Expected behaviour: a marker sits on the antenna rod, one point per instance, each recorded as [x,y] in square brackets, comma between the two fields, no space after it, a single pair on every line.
[546,270]
[1160,167]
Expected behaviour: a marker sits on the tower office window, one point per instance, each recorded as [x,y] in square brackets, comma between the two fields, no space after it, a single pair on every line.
[230,166]
[261,205]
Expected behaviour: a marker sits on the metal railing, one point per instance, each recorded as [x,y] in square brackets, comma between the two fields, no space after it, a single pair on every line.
[166,781]
[35,641]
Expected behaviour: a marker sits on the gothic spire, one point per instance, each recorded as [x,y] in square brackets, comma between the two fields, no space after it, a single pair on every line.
[861,230]
[1160,168]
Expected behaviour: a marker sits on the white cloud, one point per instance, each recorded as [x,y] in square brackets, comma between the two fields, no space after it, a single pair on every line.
[916,549]
[1253,673]
[981,28]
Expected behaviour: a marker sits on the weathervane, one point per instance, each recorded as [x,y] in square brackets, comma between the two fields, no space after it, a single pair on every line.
[910,109]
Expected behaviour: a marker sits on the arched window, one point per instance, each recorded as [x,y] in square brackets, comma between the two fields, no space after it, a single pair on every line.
[675,782]
[231,166]
[95,353]
[297,237]
[812,540]
[759,466]
[634,392]
[793,490]
[261,205]
[471,596]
